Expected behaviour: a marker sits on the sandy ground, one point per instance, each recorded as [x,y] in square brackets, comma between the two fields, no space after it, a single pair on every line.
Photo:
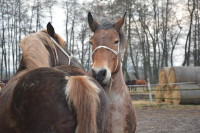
[167,118]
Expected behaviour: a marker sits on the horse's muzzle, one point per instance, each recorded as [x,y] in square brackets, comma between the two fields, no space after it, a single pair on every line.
[99,75]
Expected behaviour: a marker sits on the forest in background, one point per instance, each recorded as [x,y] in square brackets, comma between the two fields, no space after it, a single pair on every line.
[155,31]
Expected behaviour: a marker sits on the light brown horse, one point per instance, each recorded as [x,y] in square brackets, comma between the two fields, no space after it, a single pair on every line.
[61,99]
[106,42]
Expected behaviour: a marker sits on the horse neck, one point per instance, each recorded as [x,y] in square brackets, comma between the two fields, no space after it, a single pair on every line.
[64,59]
[21,66]
[118,83]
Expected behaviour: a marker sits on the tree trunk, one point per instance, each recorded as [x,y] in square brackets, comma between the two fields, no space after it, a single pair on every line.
[188,40]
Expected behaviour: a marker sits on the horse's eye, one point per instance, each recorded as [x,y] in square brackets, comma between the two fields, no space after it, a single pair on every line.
[90,42]
[116,42]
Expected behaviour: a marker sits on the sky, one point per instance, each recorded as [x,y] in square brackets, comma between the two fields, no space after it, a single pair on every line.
[59,18]
[58,21]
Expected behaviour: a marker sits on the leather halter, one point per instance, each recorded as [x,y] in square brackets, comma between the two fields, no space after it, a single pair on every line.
[69,56]
[112,50]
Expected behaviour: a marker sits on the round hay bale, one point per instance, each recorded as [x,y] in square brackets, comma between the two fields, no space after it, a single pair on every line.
[163,76]
[198,75]
[182,74]
[168,95]
[186,94]
[159,95]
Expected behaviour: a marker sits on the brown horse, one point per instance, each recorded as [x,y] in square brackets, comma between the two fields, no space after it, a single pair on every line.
[5,81]
[141,82]
[136,82]
[43,49]
[106,42]
[43,99]
[131,82]
[1,85]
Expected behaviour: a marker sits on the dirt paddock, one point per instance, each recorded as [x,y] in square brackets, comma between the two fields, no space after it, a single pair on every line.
[160,118]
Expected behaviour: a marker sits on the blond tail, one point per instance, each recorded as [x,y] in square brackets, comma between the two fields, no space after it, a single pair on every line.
[82,93]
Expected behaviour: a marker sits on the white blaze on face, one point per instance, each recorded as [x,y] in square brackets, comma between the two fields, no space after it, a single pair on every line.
[108,73]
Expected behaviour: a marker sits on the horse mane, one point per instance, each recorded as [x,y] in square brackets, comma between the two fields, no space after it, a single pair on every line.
[34,49]
[109,25]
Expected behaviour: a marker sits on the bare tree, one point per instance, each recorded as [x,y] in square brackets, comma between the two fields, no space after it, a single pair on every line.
[191,8]
[49,4]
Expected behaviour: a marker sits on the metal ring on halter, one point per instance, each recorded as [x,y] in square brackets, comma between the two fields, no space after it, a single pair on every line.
[115,52]
[69,56]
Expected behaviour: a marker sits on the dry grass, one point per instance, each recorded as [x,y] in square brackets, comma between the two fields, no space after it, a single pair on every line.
[146,104]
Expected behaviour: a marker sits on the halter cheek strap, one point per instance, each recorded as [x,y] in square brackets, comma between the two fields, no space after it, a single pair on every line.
[115,52]
[69,56]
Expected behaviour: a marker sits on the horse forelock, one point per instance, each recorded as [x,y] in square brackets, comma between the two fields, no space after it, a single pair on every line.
[105,25]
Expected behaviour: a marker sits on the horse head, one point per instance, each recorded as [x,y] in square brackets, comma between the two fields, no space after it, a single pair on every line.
[106,42]
[45,49]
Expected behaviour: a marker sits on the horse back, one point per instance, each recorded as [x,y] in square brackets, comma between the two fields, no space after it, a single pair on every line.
[71,70]
[131,82]
[38,103]
[141,82]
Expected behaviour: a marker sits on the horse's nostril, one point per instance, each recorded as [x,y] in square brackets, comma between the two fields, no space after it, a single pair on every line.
[94,74]
[104,73]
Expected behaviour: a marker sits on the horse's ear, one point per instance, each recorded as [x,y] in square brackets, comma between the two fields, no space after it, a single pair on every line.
[92,23]
[119,23]
[50,30]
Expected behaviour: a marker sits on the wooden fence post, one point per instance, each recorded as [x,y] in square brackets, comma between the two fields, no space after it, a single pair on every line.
[149,89]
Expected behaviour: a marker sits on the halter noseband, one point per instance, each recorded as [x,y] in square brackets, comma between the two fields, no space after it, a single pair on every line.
[115,52]
[69,56]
